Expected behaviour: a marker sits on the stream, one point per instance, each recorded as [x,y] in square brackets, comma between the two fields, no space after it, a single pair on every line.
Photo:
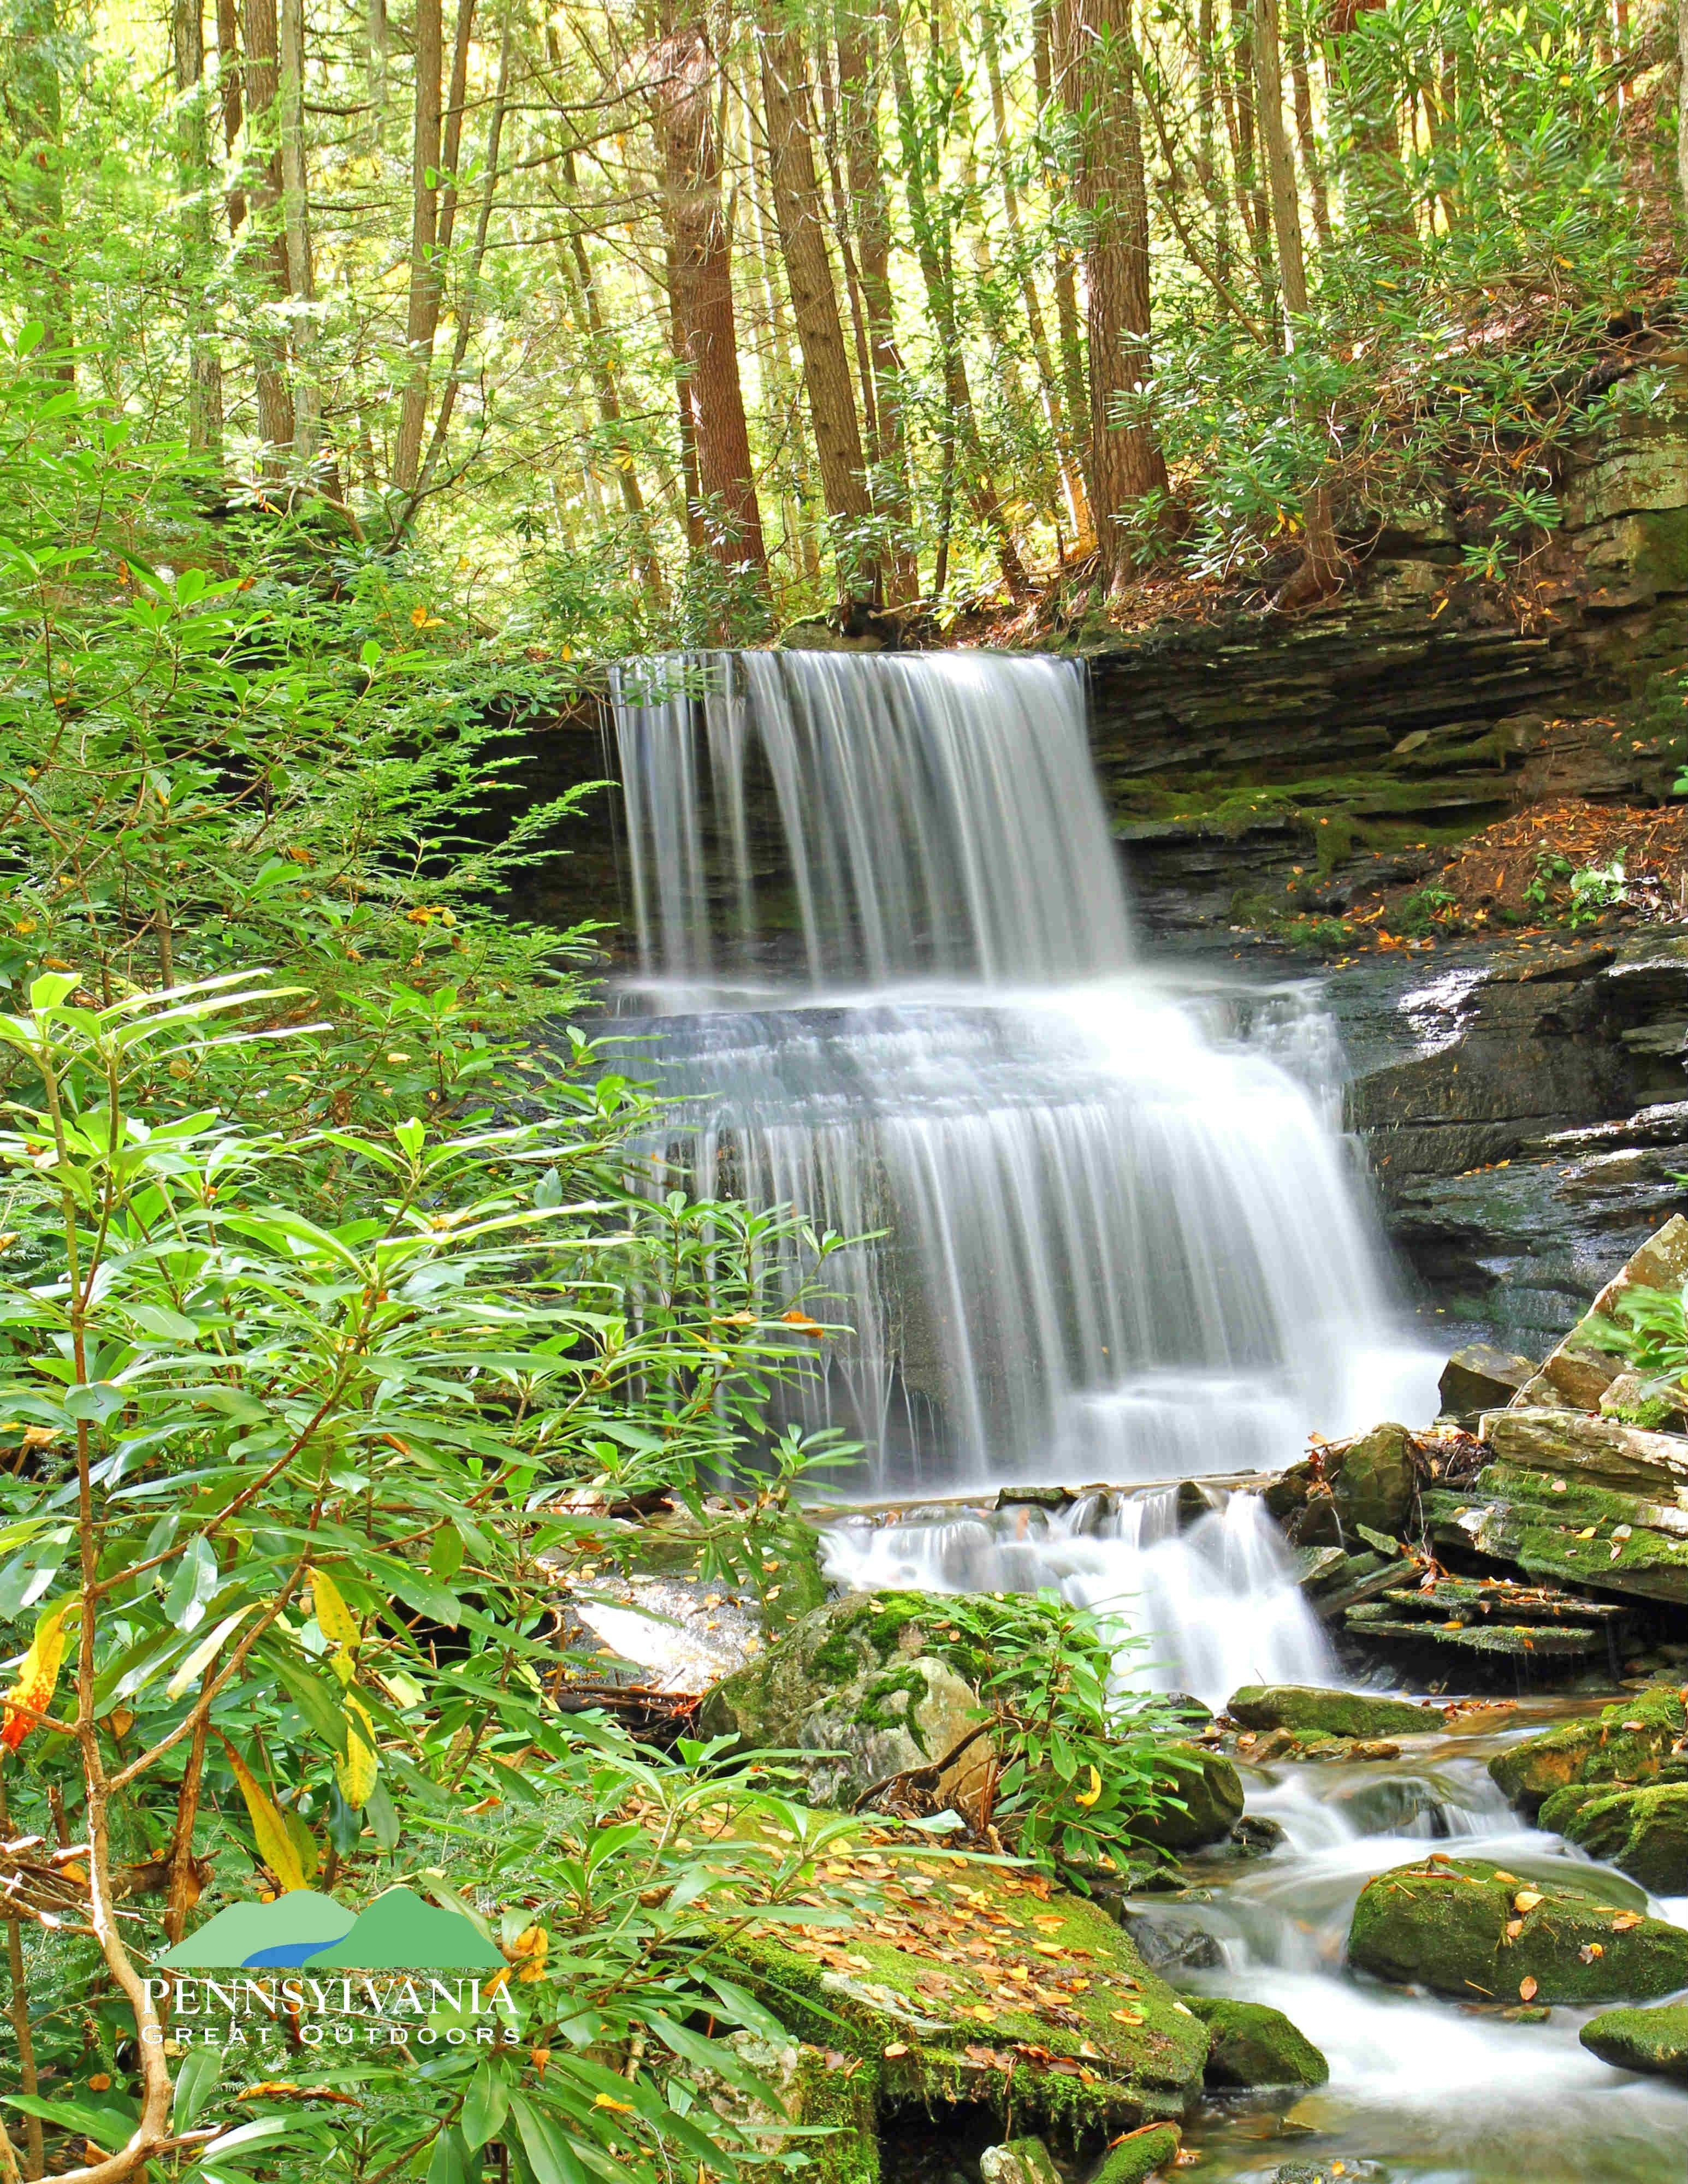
[1107,1229]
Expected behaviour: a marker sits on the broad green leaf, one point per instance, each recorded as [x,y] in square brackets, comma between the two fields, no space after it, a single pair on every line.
[485,2106]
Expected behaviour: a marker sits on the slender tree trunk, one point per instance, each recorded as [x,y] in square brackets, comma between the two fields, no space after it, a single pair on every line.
[844,237]
[1059,424]
[685,420]
[1075,398]
[1207,165]
[1682,101]
[1306,134]
[858,97]
[205,368]
[800,219]
[784,405]
[1252,197]
[1280,165]
[422,314]
[963,449]
[1125,454]
[683,93]
[228,87]
[296,232]
[263,85]
[376,31]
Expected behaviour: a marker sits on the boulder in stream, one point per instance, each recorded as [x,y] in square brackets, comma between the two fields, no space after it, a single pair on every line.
[1209,1795]
[1372,1477]
[1139,2154]
[1655,2040]
[1642,1832]
[1640,1740]
[1254,2047]
[1470,1928]
[1481,1378]
[1310,1710]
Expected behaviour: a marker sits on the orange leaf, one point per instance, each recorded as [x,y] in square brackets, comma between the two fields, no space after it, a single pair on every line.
[1526,1989]
[38,1676]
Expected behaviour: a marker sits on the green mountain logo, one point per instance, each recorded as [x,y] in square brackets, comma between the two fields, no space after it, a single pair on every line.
[304,1930]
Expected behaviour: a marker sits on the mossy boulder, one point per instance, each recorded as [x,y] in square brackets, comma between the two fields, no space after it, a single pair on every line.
[1375,1479]
[1642,1832]
[1310,1711]
[1655,2040]
[974,1984]
[1470,1928]
[1210,1794]
[1139,2154]
[857,1682]
[1254,2046]
[1019,2161]
[1641,1740]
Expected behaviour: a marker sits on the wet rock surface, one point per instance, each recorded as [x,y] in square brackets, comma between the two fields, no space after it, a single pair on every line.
[1642,1832]
[1654,2040]
[1310,1710]
[1475,1929]
[1632,1742]
[1254,2047]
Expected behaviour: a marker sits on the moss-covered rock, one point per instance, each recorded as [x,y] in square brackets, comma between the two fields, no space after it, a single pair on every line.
[858,1683]
[1310,1711]
[1655,2040]
[1252,2046]
[1469,1927]
[1019,2161]
[811,2091]
[1139,2154]
[1642,1832]
[1209,1795]
[1375,1479]
[1638,1740]
[979,1986]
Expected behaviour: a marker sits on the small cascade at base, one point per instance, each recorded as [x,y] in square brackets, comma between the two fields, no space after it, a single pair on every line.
[1204,1608]
[1110,1229]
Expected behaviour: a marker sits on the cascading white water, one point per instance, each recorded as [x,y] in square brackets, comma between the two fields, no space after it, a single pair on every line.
[1174,1591]
[883,924]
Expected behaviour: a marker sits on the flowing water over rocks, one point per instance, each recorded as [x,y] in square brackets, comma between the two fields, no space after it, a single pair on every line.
[885,942]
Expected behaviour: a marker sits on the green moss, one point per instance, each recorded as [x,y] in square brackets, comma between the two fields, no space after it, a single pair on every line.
[877,1707]
[846,2103]
[866,1634]
[1140,2155]
[1629,1743]
[1209,1795]
[1253,2046]
[1642,1832]
[1449,1924]
[1655,2040]
[1312,1710]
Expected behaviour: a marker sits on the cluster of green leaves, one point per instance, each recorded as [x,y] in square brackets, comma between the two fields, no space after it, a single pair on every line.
[1648,1329]
[1084,1764]
[1472,274]
[288,1483]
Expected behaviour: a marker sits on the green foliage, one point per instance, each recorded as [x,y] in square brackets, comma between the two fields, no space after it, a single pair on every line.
[1084,1769]
[1648,1331]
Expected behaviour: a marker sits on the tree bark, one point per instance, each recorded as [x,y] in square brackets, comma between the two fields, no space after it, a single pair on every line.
[1280,166]
[858,98]
[262,78]
[1125,456]
[1075,398]
[1307,135]
[1682,101]
[296,232]
[205,368]
[1251,197]
[228,86]
[682,93]
[423,313]
[800,219]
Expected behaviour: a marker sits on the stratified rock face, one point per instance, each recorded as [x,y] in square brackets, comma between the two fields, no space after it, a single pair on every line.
[1640,1740]
[1470,1928]
[1310,1711]
[1655,2040]
[1642,1832]
[1580,1370]
[1254,2047]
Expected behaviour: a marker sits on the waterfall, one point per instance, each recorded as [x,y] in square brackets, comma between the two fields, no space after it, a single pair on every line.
[1110,1229]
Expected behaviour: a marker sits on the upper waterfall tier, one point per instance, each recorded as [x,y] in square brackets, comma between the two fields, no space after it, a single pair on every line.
[932,814]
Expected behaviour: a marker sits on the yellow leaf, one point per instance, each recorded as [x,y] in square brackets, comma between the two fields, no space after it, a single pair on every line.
[336,1621]
[1089,1796]
[276,1845]
[38,1676]
[419,617]
[356,1772]
[604,2101]
[1526,1899]
[1526,1989]
[897,2048]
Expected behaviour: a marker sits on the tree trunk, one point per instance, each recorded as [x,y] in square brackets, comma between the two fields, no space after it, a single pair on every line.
[858,98]
[1206,166]
[205,368]
[1307,135]
[1061,425]
[682,93]
[422,314]
[1125,457]
[1280,166]
[1075,400]
[228,86]
[263,84]
[1251,198]
[962,447]
[296,233]
[1682,100]
[799,217]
